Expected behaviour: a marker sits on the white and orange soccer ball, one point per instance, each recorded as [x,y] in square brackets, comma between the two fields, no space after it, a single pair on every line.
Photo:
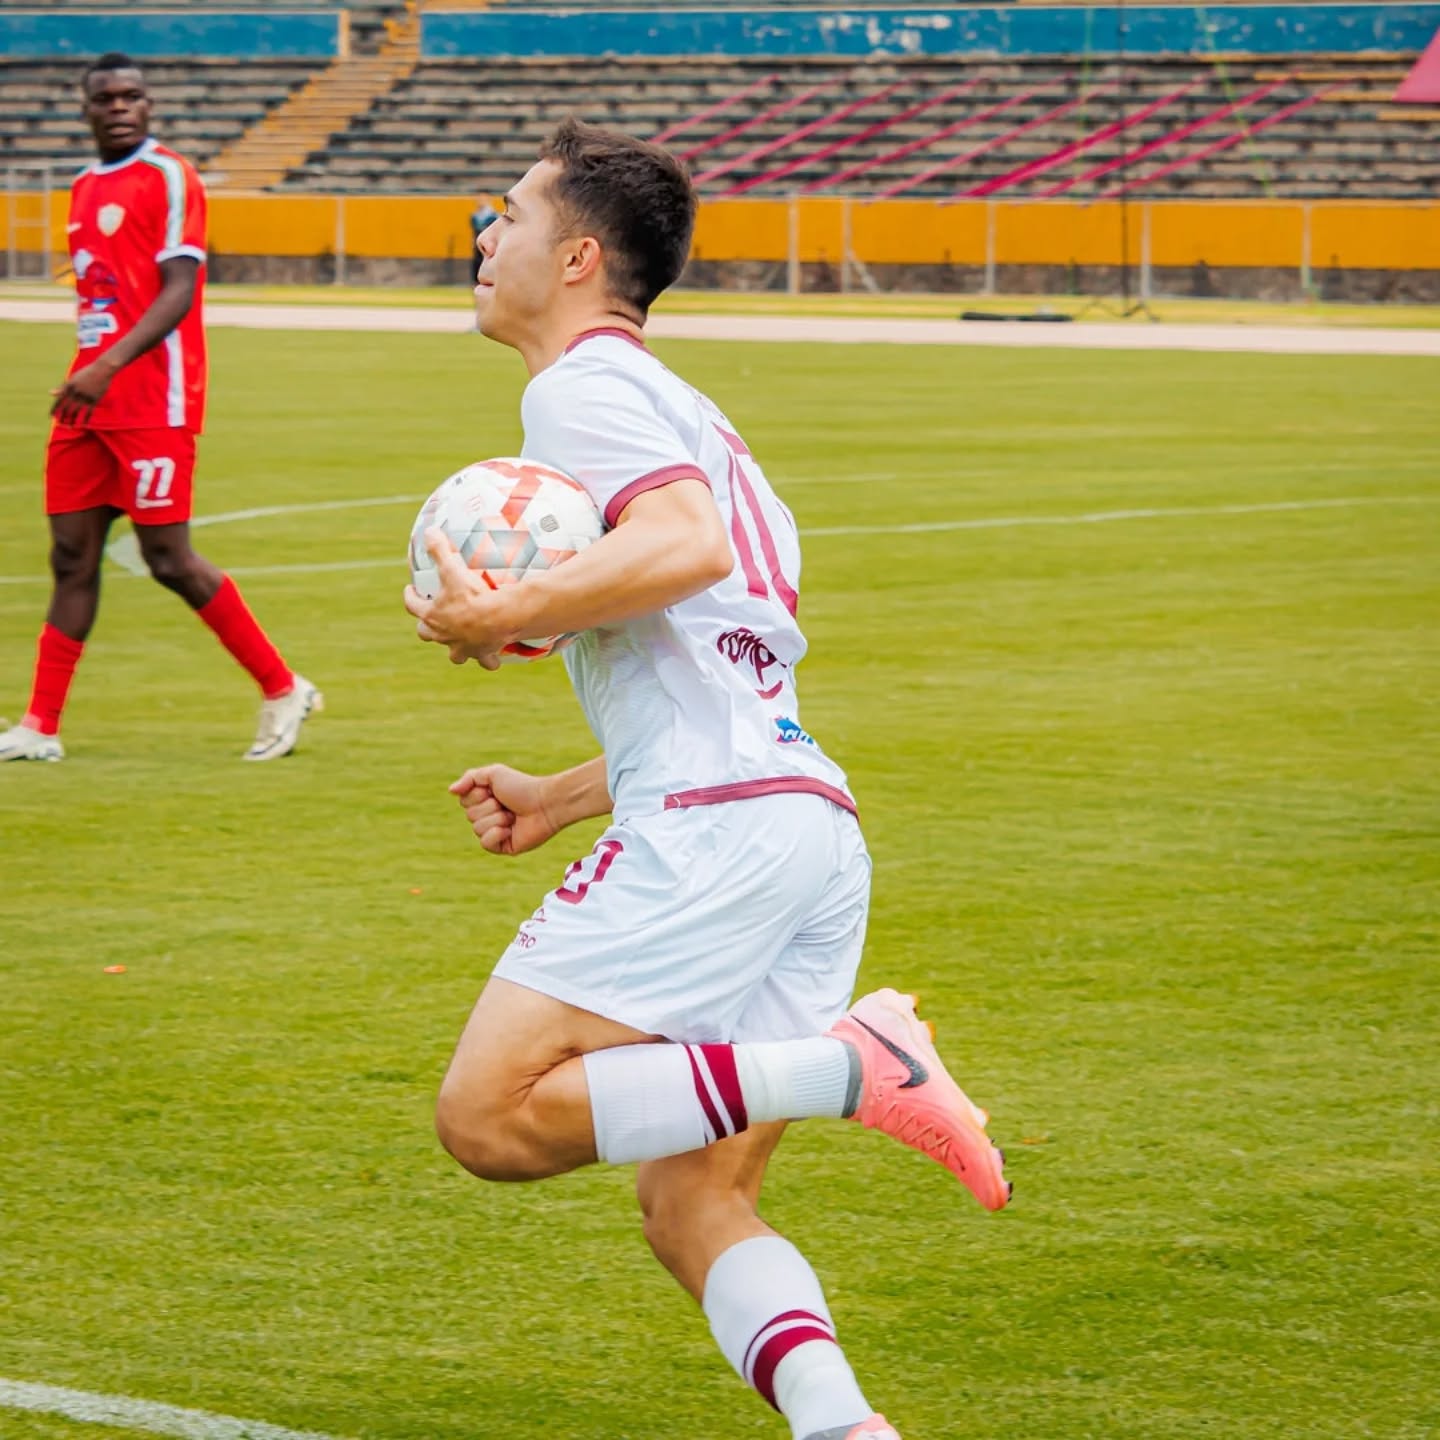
[508,518]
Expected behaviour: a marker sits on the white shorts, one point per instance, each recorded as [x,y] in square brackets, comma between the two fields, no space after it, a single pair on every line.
[739,921]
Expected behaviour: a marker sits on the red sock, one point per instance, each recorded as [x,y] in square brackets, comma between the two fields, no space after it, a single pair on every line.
[227,614]
[56,657]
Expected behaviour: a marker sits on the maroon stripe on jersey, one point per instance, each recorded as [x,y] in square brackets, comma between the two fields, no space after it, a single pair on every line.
[733,441]
[754,580]
[653,481]
[702,1092]
[753,789]
[721,1060]
[775,1349]
[786,592]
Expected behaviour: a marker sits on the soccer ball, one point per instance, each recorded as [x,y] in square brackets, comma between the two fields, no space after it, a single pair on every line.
[508,518]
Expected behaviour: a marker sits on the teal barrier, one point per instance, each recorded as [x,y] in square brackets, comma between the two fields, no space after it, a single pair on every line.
[150,34]
[1007,30]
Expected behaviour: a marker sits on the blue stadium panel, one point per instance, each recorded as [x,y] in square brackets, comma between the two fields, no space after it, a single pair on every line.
[291,35]
[1012,30]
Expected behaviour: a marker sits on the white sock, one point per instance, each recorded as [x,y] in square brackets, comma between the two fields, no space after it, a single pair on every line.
[642,1103]
[769,1318]
[649,1101]
[796,1079]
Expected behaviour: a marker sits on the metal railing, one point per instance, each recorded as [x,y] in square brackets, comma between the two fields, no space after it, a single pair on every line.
[28,190]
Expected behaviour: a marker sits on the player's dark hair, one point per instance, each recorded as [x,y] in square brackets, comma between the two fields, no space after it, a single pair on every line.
[111,60]
[633,196]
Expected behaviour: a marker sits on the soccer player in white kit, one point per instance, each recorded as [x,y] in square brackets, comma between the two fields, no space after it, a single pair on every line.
[682,993]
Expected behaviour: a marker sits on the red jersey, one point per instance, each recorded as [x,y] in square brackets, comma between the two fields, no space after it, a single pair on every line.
[125,218]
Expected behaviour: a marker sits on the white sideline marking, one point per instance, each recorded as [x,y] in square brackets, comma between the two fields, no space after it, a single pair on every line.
[260,512]
[147,1415]
[997,522]
[830,329]
[124,550]
[1103,517]
[994,522]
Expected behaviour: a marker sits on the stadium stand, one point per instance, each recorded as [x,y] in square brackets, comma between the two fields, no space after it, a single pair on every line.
[373,155]
[1422,84]
[921,127]
[202,105]
[326,104]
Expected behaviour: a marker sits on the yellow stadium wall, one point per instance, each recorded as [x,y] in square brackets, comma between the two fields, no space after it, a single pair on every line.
[1334,234]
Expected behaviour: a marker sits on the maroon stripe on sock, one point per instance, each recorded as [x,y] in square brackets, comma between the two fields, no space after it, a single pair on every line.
[775,1349]
[712,1115]
[782,1319]
[721,1059]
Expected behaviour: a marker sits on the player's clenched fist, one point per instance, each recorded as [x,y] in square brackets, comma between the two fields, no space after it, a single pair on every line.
[505,808]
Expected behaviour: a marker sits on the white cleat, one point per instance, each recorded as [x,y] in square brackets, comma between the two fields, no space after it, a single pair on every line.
[20,742]
[281,719]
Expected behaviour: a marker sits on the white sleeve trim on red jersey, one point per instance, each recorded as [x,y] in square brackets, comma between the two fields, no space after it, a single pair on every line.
[175,182]
[174,252]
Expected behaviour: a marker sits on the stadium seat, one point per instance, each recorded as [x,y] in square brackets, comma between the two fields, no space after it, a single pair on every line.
[200,105]
[471,126]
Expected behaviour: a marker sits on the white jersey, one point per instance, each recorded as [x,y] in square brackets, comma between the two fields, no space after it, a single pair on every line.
[695,705]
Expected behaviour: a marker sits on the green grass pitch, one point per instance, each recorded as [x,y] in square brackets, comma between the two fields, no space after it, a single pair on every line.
[1153,804]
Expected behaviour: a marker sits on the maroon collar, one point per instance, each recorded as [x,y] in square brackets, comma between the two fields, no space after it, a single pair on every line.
[610,330]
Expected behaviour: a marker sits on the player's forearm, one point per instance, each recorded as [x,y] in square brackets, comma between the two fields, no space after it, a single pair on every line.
[638,568]
[165,312]
[578,794]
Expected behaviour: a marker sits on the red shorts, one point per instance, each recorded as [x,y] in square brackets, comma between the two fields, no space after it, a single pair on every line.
[149,474]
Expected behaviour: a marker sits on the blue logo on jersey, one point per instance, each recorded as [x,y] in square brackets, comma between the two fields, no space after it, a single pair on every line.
[788,732]
[92,329]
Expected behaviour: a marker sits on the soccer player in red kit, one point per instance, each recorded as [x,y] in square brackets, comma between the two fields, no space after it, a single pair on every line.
[126,418]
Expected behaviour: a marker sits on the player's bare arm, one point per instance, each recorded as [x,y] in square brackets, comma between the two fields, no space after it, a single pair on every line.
[84,390]
[512,812]
[667,545]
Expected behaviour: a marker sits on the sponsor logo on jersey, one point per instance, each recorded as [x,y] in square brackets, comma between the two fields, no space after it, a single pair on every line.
[745,647]
[788,732]
[83,260]
[110,218]
[102,288]
[92,328]
[527,937]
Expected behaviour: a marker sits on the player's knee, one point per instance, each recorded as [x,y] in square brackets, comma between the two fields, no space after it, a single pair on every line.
[75,567]
[169,564]
[489,1141]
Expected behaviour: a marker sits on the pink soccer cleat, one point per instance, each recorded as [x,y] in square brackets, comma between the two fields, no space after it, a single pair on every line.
[877,1427]
[906,1092]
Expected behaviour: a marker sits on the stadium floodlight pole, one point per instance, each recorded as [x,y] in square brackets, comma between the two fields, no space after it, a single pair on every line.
[1128,306]
[1137,305]
[1122,100]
